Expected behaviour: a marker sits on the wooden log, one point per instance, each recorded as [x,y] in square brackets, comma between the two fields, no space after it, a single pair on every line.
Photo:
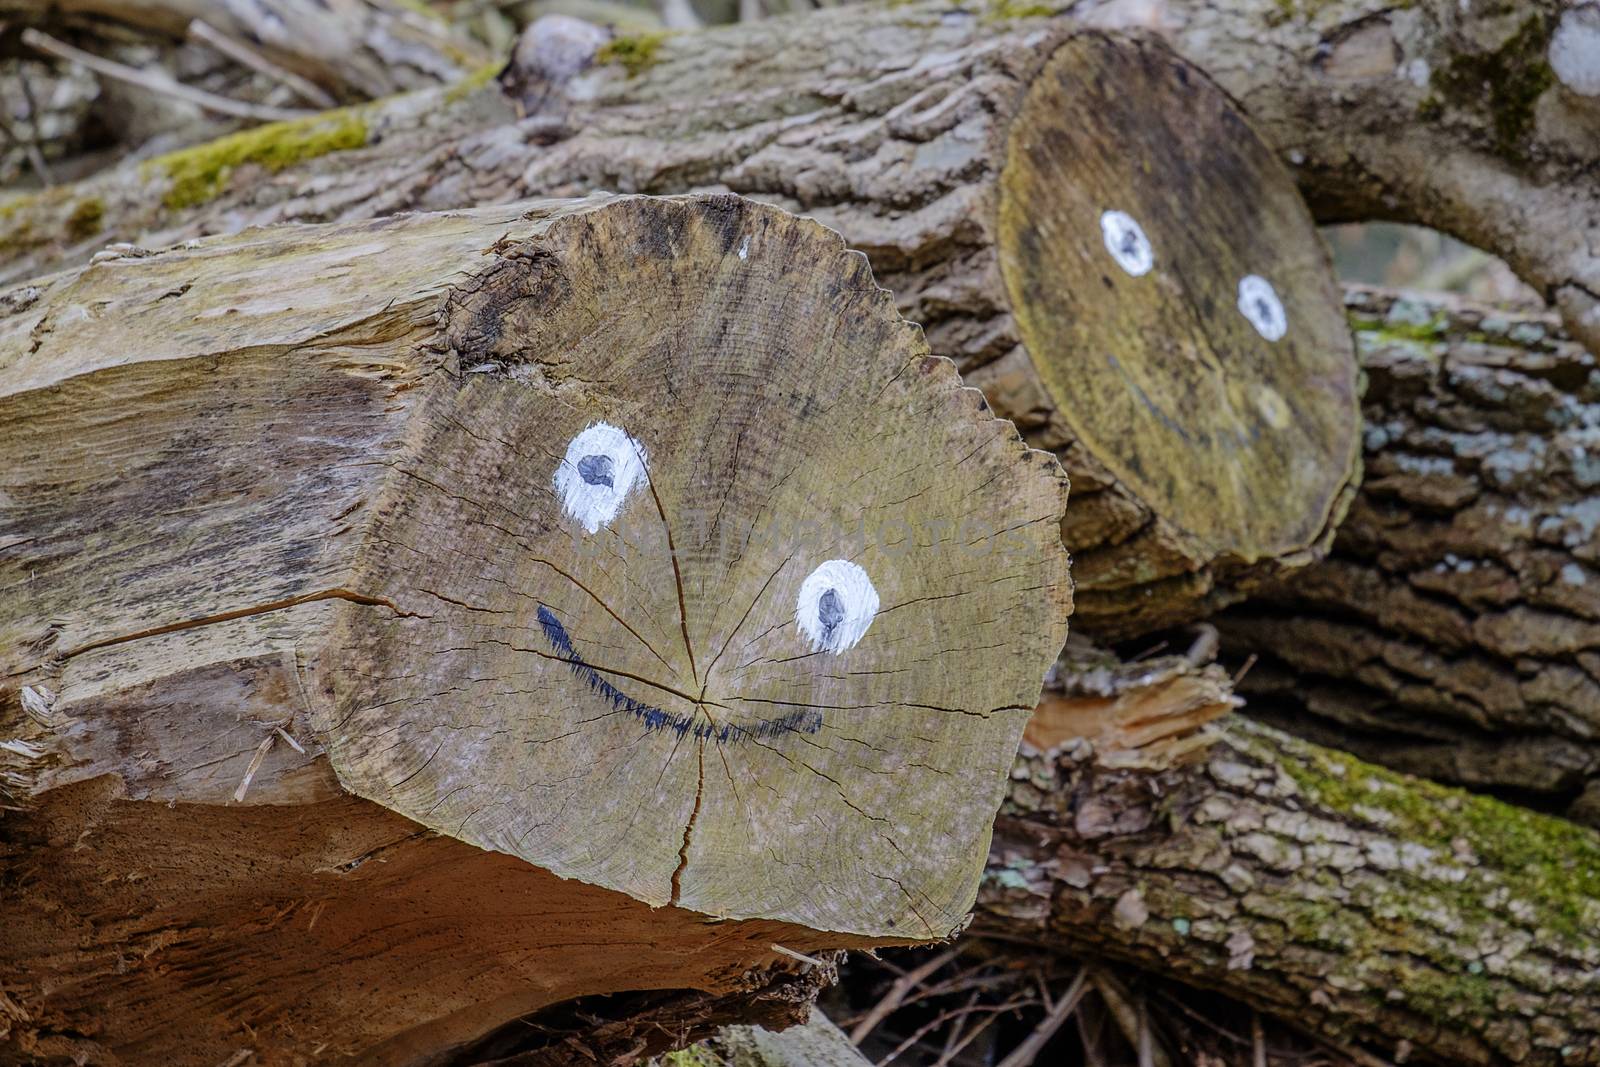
[413,624]
[1380,911]
[1200,389]
[1455,632]
[358,48]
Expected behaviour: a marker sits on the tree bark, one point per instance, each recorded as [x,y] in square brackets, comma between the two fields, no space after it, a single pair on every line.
[359,48]
[975,161]
[1455,632]
[417,623]
[1366,906]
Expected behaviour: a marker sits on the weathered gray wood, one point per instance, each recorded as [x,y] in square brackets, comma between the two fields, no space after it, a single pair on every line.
[418,622]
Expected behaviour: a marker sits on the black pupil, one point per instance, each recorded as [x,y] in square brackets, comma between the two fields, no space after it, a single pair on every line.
[830,611]
[596,470]
[1130,243]
[1264,309]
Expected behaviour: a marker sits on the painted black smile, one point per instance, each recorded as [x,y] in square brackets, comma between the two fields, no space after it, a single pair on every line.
[804,721]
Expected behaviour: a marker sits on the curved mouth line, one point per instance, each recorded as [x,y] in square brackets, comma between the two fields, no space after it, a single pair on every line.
[701,727]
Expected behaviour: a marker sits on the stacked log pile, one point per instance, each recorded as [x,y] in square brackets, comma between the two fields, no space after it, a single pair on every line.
[937,146]
[552,630]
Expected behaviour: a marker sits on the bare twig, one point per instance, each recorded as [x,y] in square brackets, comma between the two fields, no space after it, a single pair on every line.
[222,105]
[801,956]
[947,1053]
[244,55]
[35,143]
[897,994]
[1024,1054]
[1258,1040]
[971,1035]
[940,1020]
[1147,1043]
[1204,647]
[1121,1007]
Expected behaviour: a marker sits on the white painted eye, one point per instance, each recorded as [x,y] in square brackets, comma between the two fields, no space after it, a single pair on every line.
[835,606]
[601,465]
[1126,242]
[1259,303]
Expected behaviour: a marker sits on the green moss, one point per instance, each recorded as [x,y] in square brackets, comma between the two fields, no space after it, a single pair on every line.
[692,1057]
[1549,863]
[86,219]
[200,173]
[1450,996]
[1285,10]
[1391,330]
[471,83]
[1505,84]
[636,52]
[420,8]
[18,235]
[1001,10]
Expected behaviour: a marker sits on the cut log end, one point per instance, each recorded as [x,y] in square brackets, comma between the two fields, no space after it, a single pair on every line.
[1182,319]
[712,548]
[517,604]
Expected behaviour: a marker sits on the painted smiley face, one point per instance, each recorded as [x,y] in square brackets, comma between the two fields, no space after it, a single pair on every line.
[836,601]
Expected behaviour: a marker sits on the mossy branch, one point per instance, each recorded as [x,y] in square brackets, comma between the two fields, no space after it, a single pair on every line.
[1370,906]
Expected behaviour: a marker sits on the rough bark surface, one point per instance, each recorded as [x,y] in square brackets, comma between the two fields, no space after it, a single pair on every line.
[1375,909]
[384,662]
[902,140]
[1455,631]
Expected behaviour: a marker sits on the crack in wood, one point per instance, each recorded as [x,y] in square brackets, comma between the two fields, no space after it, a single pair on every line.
[688,831]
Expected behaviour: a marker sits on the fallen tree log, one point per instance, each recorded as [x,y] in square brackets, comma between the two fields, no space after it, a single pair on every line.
[1371,908]
[1129,274]
[415,624]
[1455,631]
[1474,122]
[357,48]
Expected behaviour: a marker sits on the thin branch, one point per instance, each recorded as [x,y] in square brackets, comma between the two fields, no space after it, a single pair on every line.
[897,994]
[1024,1054]
[222,105]
[941,1019]
[244,55]
[35,144]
